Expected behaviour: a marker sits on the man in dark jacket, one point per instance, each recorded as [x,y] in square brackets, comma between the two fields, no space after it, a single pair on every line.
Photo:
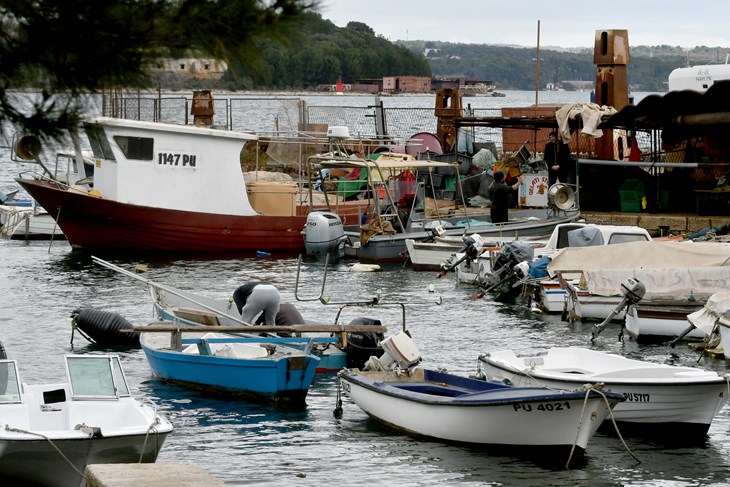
[557,158]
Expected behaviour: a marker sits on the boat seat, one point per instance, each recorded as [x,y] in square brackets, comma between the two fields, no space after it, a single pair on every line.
[198,316]
[238,350]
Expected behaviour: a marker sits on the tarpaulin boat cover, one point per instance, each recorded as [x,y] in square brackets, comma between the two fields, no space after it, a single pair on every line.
[633,255]
[718,305]
[687,283]
[670,269]
[585,237]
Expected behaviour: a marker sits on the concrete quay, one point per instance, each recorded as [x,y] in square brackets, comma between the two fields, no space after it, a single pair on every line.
[654,223]
[157,474]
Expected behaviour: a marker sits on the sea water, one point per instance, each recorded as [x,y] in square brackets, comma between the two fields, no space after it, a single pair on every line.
[244,443]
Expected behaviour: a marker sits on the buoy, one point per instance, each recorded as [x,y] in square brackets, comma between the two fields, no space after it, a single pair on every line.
[2,351]
[536,310]
[431,288]
[103,327]
[364,267]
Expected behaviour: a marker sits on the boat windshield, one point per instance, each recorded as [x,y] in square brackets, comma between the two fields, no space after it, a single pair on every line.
[96,377]
[9,382]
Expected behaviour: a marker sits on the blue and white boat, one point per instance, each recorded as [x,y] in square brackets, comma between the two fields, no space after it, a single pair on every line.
[467,410]
[260,368]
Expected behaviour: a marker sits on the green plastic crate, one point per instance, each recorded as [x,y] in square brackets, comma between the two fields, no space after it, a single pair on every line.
[630,206]
[631,190]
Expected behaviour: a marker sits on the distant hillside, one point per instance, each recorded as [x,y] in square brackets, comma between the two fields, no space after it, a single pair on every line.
[513,67]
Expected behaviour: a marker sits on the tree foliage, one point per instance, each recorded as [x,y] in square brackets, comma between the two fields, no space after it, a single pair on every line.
[321,53]
[515,67]
[71,48]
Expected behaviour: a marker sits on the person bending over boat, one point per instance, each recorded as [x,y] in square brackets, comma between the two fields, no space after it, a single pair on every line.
[257,298]
[499,195]
[288,315]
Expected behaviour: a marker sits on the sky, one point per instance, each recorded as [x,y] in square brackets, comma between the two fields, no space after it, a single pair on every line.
[684,23]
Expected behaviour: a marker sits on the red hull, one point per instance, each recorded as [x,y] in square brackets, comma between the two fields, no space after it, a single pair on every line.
[98,224]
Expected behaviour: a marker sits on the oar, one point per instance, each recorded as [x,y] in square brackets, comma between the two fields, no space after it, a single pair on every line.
[452,266]
[170,290]
[681,335]
[481,294]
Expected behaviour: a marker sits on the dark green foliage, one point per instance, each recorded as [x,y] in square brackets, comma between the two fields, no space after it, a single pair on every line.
[70,48]
[321,52]
[514,67]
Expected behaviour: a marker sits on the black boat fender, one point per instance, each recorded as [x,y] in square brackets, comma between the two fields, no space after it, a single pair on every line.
[102,327]
[3,355]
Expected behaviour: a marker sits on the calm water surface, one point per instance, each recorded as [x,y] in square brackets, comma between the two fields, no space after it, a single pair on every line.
[243,443]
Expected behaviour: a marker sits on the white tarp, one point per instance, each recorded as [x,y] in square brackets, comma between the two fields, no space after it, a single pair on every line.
[677,283]
[717,305]
[641,255]
[590,114]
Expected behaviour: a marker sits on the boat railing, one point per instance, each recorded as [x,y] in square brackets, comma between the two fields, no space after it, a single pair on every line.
[373,301]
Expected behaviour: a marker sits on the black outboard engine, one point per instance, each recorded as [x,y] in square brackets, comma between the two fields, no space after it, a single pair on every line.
[507,275]
[361,346]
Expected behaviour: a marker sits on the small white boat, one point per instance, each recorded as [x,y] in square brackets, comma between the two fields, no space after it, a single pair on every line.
[660,321]
[661,400]
[28,222]
[53,431]
[670,271]
[473,411]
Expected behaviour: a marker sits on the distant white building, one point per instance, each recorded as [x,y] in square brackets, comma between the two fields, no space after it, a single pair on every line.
[195,68]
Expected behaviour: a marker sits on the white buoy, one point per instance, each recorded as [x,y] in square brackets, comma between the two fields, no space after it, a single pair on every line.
[358,267]
[431,288]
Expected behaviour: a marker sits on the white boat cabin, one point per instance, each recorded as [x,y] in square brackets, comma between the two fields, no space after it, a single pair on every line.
[169,166]
[698,78]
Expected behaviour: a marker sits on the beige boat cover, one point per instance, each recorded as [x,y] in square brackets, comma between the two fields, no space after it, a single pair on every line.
[667,284]
[718,306]
[633,255]
[670,269]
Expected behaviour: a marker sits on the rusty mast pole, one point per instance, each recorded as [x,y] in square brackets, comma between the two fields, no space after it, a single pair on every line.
[537,82]
[537,67]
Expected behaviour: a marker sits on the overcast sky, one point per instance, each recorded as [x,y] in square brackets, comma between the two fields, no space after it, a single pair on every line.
[684,23]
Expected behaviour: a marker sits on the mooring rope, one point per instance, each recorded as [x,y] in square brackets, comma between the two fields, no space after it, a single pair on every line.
[591,388]
[18,430]
[146,437]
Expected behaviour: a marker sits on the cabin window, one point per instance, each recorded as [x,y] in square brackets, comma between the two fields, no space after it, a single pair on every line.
[139,148]
[98,141]
[617,238]
[9,382]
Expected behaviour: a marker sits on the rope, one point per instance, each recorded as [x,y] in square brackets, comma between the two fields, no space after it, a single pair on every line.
[338,403]
[18,430]
[146,436]
[589,389]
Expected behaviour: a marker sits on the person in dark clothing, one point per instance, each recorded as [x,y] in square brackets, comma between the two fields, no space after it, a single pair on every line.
[557,158]
[288,315]
[499,193]
[255,298]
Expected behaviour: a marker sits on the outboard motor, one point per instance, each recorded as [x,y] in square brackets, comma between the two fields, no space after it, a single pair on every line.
[361,346]
[508,257]
[472,249]
[399,352]
[324,235]
[510,269]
